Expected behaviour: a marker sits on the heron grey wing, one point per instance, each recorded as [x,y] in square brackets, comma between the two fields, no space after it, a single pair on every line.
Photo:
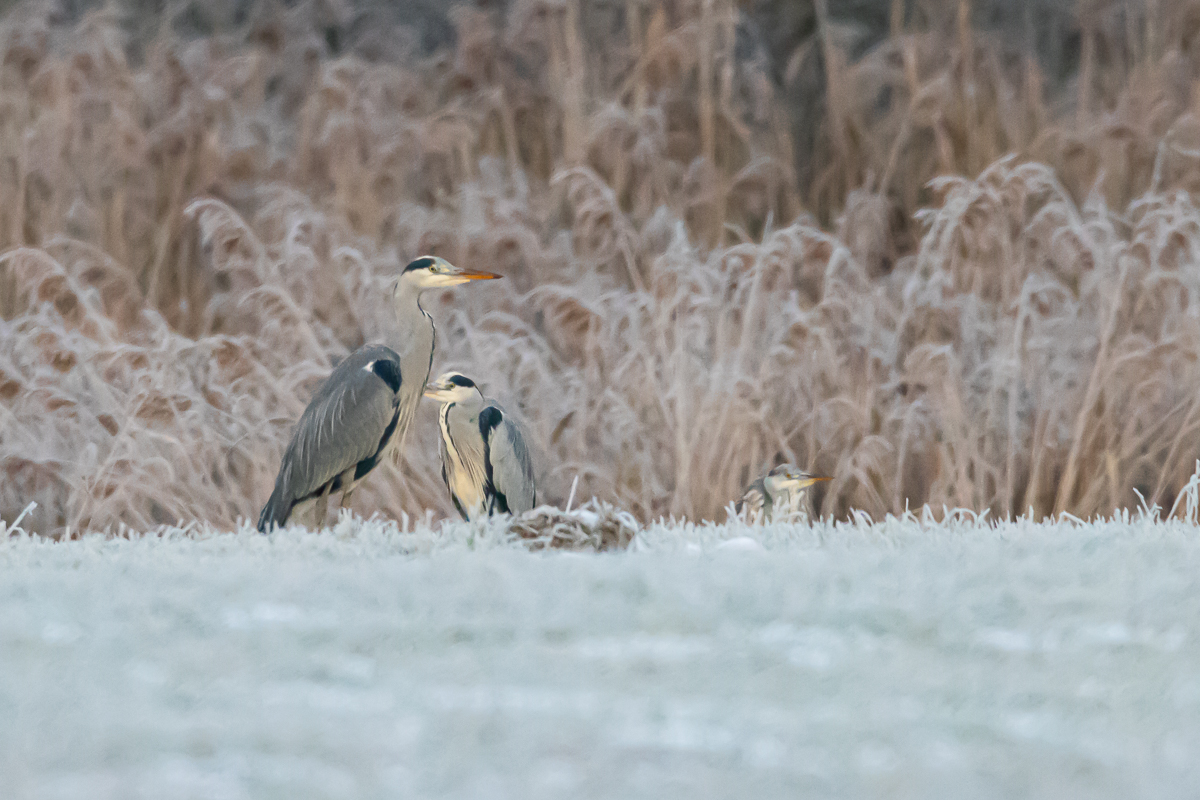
[511,467]
[343,425]
[754,498]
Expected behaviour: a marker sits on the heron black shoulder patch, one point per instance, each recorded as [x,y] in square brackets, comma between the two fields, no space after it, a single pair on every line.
[489,418]
[388,372]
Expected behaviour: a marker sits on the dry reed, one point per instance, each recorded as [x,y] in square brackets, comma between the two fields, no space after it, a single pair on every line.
[977,288]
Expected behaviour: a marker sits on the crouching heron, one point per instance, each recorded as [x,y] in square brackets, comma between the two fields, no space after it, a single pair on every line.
[363,409]
[781,493]
[485,462]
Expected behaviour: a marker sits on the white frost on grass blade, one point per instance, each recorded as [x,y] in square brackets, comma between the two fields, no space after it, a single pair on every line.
[374,660]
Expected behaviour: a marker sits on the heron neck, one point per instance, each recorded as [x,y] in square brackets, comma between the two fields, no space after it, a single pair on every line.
[770,487]
[472,404]
[413,340]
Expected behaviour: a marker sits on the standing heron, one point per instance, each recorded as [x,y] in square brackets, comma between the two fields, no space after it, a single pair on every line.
[781,493]
[363,409]
[485,462]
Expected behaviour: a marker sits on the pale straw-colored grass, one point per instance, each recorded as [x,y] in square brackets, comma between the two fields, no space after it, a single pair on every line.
[195,227]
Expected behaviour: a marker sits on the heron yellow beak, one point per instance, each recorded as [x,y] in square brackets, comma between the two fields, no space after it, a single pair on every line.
[808,480]
[478,276]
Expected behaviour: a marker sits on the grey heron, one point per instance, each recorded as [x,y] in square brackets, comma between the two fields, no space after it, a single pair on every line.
[362,411]
[778,494]
[485,462]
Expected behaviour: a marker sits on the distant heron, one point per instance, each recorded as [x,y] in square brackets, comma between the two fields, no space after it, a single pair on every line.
[363,409]
[781,493]
[485,462]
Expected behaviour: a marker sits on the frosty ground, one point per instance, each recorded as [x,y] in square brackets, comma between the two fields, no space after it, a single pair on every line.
[895,659]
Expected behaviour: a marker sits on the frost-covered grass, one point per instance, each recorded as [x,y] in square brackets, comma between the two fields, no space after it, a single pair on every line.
[928,264]
[895,659]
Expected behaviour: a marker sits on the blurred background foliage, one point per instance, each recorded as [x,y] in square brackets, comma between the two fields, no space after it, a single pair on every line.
[942,250]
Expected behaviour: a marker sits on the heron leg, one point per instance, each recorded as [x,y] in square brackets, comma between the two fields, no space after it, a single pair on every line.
[321,507]
[348,482]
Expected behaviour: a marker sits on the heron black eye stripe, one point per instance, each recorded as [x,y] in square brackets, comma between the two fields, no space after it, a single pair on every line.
[424,262]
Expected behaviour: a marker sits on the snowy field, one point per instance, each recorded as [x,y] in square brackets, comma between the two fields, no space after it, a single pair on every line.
[897,660]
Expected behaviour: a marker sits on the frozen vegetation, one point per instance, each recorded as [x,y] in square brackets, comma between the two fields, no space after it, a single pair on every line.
[940,255]
[882,240]
[904,658]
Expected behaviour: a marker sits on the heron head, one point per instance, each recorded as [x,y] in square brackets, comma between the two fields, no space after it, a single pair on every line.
[433,272]
[451,387]
[788,477]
